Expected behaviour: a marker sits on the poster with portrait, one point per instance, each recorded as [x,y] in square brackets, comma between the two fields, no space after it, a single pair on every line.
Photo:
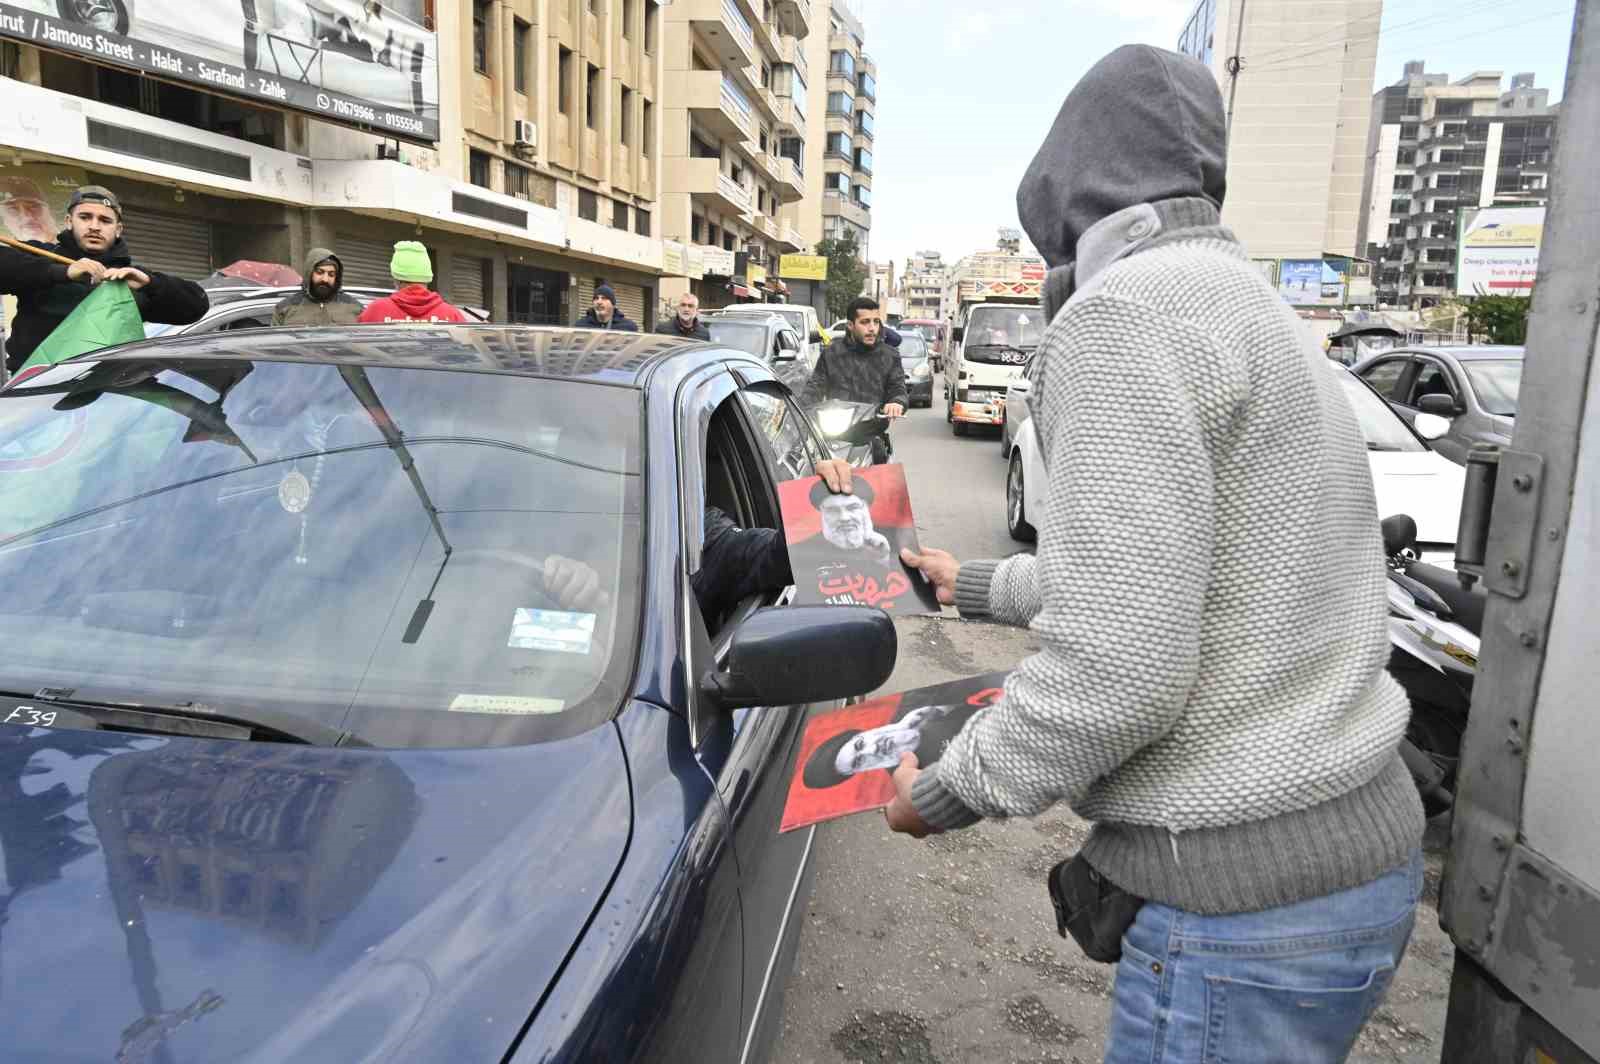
[848,756]
[844,550]
[33,199]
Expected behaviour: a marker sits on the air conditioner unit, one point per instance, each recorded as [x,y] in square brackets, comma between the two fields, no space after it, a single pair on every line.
[389,151]
[757,253]
[527,134]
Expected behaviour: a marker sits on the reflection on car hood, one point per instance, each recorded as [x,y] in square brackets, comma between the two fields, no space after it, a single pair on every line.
[263,902]
[1420,483]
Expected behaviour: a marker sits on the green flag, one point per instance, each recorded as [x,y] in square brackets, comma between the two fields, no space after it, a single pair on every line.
[108,315]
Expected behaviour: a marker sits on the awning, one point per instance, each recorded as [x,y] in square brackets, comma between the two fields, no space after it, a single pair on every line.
[739,291]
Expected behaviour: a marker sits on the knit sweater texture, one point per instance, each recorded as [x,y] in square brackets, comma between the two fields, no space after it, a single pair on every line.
[1208,593]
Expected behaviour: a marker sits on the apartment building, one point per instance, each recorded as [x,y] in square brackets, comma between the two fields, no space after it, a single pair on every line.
[839,189]
[1296,79]
[733,138]
[517,139]
[922,284]
[1437,146]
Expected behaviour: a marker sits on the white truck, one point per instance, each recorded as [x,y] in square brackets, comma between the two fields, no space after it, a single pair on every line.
[998,327]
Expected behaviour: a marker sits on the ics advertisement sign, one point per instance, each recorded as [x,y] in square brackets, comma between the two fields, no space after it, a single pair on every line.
[351,61]
[1498,254]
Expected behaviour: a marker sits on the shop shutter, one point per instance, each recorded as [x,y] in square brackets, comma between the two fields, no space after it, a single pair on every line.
[630,300]
[584,297]
[366,262]
[170,243]
[466,281]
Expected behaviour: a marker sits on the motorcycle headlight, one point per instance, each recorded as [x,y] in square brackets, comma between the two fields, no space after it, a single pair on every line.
[833,421]
[922,372]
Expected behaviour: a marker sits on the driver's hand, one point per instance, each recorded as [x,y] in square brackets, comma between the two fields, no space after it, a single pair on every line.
[836,472]
[894,410]
[573,584]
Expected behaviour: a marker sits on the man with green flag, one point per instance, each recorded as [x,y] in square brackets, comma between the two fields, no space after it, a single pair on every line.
[107,316]
[51,281]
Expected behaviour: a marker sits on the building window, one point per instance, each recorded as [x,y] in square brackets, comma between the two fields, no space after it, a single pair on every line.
[736,170]
[793,149]
[727,241]
[518,181]
[564,81]
[697,226]
[837,182]
[480,36]
[837,144]
[478,168]
[699,148]
[842,63]
[649,134]
[862,195]
[520,34]
[868,86]
[627,20]
[641,221]
[761,200]
[652,14]
[840,103]
[625,118]
[714,235]
[766,76]
[1402,182]
[763,139]
[864,160]
[1408,131]
[588,205]
[619,216]
[591,95]
[1413,107]
[864,122]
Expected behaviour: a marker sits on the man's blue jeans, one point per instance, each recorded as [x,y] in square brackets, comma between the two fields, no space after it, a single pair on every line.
[1290,985]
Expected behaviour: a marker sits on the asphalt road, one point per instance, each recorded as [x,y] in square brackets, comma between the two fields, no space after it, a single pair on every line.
[945,950]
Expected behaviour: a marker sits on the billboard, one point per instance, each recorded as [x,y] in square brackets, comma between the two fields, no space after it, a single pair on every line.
[351,61]
[1311,282]
[1498,251]
[803,267]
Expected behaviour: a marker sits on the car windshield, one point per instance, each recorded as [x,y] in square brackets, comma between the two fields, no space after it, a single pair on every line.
[748,336]
[913,348]
[363,548]
[1496,383]
[1380,425]
[991,330]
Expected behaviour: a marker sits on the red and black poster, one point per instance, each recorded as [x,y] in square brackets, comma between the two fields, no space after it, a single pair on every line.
[847,756]
[845,549]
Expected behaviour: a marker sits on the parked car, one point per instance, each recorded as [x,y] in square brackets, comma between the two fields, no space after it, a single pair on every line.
[1015,411]
[769,337]
[251,308]
[1474,387]
[801,318]
[919,369]
[935,332]
[305,755]
[1407,476]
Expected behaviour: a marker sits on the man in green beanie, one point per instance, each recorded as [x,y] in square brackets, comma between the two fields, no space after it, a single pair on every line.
[413,300]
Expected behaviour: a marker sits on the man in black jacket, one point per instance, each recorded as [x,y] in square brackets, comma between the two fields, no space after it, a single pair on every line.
[686,324]
[604,313]
[48,291]
[859,367]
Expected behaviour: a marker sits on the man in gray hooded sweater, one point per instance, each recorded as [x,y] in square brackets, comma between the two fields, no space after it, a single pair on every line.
[1225,723]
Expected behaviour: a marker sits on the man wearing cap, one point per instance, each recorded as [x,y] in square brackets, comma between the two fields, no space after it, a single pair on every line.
[48,291]
[321,300]
[413,300]
[604,314]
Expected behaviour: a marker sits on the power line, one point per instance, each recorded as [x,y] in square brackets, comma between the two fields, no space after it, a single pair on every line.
[1300,49]
[1289,61]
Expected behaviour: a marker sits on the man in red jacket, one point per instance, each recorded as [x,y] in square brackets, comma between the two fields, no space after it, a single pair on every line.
[413,300]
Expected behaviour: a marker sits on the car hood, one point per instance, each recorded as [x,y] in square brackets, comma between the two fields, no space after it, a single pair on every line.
[200,900]
[1423,484]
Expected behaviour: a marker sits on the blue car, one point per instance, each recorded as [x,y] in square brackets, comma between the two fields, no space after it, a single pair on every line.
[358,706]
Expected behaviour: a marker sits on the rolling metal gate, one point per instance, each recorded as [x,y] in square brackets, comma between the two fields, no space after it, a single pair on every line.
[366,262]
[466,281]
[630,300]
[169,243]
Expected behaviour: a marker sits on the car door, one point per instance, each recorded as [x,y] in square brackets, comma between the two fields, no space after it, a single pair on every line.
[1389,376]
[1432,377]
[1017,409]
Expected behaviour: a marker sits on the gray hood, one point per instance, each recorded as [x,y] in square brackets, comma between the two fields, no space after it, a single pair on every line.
[315,257]
[1142,126]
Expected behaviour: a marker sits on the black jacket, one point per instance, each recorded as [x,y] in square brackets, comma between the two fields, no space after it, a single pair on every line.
[737,563]
[670,327]
[45,297]
[619,322]
[849,372]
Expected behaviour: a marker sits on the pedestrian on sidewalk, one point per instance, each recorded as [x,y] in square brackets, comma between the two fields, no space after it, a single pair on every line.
[686,323]
[48,291]
[604,313]
[321,299]
[413,300]
[1229,730]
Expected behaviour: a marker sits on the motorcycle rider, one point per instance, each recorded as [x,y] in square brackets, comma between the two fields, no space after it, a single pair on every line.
[860,367]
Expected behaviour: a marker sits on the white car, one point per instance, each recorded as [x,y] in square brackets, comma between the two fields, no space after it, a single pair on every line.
[1407,475]
[801,318]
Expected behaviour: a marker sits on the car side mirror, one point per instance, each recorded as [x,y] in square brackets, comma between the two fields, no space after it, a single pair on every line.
[1021,385]
[783,354]
[796,654]
[958,333]
[816,337]
[1438,403]
[1431,426]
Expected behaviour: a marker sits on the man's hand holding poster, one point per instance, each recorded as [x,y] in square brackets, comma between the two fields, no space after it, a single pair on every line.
[845,549]
[848,756]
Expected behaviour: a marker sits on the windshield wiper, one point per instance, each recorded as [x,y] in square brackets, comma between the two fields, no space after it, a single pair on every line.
[195,719]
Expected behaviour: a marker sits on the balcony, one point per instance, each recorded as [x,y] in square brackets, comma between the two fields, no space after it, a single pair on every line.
[1444,140]
[791,183]
[790,119]
[789,238]
[793,52]
[704,181]
[766,226]
[726,30]
[715,100]
[794,16]
[767,37]
[839,204]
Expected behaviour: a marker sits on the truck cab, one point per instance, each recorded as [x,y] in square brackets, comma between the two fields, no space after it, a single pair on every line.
[995,340]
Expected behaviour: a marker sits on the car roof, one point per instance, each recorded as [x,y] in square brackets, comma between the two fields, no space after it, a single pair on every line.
[1464,353]
[521,350]
[766,319]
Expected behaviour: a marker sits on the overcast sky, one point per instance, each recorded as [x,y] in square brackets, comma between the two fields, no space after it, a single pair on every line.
[966,90]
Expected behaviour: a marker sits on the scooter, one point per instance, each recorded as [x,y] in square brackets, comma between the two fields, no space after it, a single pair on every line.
[1434,629]
[855,432]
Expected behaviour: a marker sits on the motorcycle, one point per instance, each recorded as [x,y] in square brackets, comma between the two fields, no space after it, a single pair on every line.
[855,432]
[1434,630]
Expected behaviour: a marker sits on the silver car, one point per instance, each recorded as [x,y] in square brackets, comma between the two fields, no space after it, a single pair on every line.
[1474,387]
